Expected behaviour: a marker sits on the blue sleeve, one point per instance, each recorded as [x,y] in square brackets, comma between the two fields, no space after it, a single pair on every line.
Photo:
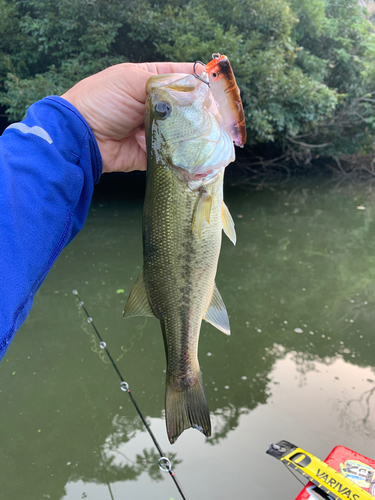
[49,164]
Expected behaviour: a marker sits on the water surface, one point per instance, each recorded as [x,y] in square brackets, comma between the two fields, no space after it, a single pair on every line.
[300,291]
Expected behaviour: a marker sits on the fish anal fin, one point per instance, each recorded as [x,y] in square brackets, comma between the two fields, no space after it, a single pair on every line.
[217,314]
[228,224]
[186,406]
[202,211]
[138,303]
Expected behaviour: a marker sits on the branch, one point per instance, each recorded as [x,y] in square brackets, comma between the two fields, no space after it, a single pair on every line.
[306,145]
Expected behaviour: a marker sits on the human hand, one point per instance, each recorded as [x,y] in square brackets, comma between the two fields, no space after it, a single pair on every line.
[113,104]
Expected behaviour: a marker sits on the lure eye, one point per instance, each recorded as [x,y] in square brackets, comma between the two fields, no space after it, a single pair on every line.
[162,109]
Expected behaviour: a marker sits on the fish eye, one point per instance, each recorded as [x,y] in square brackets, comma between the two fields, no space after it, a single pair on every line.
[214,75]
[162,109]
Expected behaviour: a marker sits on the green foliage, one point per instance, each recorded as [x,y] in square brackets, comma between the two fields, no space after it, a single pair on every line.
[279,98]
[46,47]
[338,48]
[21,92]
[305,67]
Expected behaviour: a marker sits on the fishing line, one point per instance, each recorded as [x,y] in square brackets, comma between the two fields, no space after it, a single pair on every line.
[132,340]
[164,463]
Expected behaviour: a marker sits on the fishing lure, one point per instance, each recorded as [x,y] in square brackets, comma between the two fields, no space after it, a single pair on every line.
[227,95]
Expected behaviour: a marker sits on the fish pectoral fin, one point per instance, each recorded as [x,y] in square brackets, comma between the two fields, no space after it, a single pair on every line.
[228,224]
[138,303]
[202,211]
[217,314]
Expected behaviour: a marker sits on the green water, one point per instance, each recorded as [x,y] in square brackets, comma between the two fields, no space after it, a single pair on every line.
[300,291]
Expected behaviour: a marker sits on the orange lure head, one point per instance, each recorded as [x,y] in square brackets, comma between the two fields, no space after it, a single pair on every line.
[219,67]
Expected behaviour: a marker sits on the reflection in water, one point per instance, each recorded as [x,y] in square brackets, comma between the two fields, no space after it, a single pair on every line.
[355,413]
[115,453]
[224,420]
[345,389]
[300,291]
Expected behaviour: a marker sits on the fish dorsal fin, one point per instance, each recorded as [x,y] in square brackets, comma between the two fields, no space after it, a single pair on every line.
[217,314]
[138,303]
[228,224]
[202,211]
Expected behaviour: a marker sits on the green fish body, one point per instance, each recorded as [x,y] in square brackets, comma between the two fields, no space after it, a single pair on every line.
[183,218]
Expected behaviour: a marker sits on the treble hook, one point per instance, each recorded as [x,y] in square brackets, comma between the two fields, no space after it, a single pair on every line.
[196,75]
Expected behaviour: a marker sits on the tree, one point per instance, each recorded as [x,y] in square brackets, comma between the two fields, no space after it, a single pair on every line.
[305,67]
[338,48]
[47,46]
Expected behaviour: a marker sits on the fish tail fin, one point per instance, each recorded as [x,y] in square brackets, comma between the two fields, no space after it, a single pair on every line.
[186,406]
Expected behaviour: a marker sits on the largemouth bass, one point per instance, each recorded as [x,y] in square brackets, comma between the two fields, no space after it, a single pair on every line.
[184,214]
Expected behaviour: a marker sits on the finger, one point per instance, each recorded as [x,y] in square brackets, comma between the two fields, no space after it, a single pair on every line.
[168,67]
[137,84]
[140,137]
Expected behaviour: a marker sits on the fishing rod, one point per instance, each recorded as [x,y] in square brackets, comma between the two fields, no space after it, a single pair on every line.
[164,463]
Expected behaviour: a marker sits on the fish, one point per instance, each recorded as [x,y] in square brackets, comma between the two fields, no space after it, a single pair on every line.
[227,96]
[183,217]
